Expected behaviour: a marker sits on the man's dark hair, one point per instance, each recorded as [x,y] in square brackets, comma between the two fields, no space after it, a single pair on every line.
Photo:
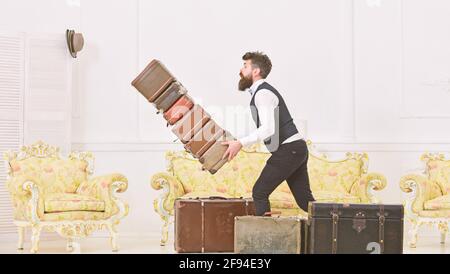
[259,60]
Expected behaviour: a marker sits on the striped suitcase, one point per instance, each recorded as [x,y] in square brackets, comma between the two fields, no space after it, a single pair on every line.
[153,80]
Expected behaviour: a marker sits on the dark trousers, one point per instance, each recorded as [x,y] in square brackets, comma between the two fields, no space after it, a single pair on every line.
[288,163]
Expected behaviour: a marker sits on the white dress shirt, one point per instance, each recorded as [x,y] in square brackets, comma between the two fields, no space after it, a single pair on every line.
[266,102]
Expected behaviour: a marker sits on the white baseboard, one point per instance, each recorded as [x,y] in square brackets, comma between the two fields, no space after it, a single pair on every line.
[13,237]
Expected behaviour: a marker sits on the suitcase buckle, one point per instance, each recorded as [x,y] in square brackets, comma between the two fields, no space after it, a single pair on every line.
[359,222]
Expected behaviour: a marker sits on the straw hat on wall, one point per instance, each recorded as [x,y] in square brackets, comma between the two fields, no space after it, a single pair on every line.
[75,42]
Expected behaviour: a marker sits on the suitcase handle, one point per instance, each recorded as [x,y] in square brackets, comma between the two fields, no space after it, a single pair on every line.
[270,213]
[217,198]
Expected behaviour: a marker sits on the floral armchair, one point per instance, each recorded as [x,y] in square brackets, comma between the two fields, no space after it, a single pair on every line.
[345,181]
[57,194]
[429,201]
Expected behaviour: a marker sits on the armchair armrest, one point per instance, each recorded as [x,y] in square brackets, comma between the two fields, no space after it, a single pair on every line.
[26,190]
[100,186]
[172,189]
[104,188]
[421,190]
[366,185]
[15,186]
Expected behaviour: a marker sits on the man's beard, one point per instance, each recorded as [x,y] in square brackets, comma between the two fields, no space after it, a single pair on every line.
[244,82]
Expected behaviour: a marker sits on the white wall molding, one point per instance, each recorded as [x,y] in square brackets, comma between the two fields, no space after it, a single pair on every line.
[322,146]
[441,82]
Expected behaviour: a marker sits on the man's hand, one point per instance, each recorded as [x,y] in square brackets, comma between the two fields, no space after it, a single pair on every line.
[233,149]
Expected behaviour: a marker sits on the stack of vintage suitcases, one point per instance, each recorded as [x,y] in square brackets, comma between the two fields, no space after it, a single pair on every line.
[216,224]
[193,126]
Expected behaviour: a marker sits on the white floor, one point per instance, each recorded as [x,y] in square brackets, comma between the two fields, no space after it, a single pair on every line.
[150,245]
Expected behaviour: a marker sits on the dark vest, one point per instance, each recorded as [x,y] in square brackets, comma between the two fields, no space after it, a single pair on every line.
[284,124]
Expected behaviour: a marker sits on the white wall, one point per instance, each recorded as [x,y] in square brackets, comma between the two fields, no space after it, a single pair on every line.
[366,75]
[203,42]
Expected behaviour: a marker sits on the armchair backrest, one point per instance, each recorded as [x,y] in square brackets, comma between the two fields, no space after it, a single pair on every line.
[327,175]
[234,179]
[437,169]
[42,164]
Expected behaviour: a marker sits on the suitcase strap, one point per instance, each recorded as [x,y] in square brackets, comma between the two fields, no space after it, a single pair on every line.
[381,220]
[246,207]
[335,220]
[203,226]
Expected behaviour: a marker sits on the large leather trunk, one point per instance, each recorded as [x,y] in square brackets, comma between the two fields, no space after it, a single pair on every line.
[355,228]
[212,160]
[204,139]
[190,124]
[269,235]
[207,224]
[178,109]
[169,97]
[153,80]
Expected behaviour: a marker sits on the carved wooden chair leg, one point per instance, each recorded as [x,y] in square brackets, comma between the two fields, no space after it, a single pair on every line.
[21,231]
[35,234]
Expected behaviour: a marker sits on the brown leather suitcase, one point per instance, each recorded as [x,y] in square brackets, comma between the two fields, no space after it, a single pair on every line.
[204,139]
[355,228]
[169,96]
[269,235]
[191,123]
[153,80]
[207,224]
[212,158]
[178,109]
